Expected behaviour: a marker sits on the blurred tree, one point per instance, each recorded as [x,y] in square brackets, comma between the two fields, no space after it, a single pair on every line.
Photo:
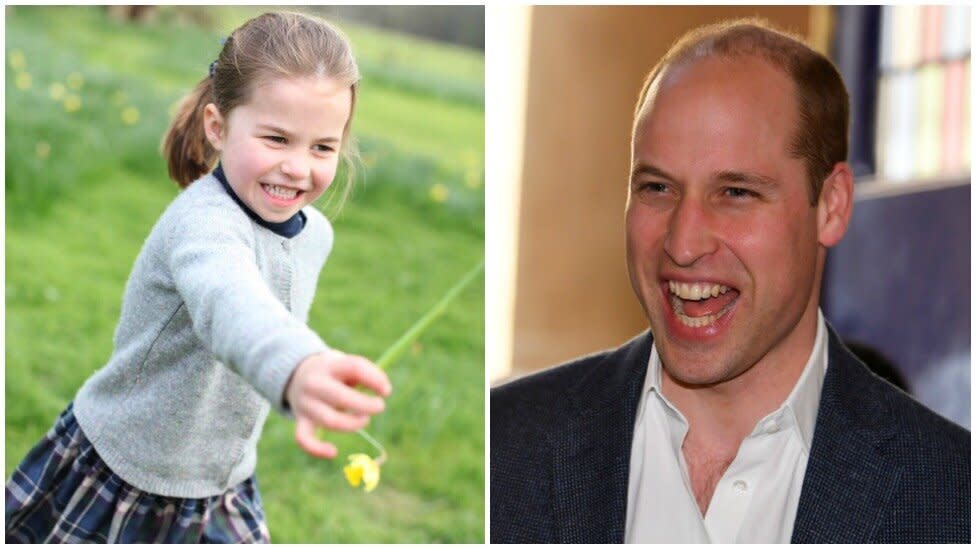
[140,14]
[462,25]
[199,16]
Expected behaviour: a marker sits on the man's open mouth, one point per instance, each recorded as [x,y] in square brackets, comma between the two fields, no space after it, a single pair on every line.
[700,304]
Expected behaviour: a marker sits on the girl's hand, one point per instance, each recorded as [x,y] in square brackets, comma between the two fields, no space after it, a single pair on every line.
[322,392]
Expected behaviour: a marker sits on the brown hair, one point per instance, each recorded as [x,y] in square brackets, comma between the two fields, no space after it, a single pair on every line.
[270,45]
[821,136]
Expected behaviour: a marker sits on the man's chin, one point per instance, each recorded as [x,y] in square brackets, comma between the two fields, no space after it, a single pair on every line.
[696,364]
[691,372]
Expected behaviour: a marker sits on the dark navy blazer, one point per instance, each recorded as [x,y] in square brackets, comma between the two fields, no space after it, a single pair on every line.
[882,467]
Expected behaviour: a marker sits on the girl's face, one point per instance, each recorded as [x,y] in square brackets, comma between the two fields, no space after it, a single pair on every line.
[280,150]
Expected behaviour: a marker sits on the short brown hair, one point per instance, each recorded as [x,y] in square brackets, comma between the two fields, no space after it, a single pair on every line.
[270,45]
[821,137]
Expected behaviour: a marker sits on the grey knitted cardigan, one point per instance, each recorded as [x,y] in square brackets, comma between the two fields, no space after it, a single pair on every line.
[212,326]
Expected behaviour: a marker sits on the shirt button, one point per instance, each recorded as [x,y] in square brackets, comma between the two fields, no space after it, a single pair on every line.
[770,427]
[740,486]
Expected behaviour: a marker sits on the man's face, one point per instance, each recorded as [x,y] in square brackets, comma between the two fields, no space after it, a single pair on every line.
[722,242]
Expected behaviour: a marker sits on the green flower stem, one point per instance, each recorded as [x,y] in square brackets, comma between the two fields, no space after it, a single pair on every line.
[381,459]
[400,346]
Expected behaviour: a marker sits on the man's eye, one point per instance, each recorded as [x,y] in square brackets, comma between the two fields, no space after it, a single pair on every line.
[739,192]
[652,188]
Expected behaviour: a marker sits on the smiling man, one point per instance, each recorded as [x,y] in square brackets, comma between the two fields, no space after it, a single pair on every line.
[739,416]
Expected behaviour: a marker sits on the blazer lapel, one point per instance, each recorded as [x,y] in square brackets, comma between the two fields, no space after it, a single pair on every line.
[591,460]
[849,479]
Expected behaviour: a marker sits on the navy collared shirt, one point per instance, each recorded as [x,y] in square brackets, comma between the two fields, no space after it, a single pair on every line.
[288,228]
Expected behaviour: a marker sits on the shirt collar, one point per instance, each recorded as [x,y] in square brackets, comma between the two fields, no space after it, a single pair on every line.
[804,400]
[802,403]
[288,228]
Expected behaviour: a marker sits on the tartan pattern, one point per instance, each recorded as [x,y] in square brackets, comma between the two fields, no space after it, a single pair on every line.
[63,492]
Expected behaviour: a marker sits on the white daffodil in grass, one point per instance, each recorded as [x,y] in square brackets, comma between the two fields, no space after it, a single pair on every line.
[362,468]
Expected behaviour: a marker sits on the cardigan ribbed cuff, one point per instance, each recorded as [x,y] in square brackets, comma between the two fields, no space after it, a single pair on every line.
[274,378]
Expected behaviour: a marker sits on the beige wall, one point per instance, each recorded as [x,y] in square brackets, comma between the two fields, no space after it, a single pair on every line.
[586,66]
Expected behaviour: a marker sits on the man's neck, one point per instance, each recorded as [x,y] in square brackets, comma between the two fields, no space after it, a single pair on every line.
[720,416]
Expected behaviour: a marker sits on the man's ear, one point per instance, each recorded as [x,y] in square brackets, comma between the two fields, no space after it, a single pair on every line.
[213,126]
[835,205]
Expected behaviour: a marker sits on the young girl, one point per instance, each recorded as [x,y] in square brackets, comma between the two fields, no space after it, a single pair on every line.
[159,445]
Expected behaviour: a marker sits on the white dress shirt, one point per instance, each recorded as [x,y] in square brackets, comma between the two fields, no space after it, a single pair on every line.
[756,499]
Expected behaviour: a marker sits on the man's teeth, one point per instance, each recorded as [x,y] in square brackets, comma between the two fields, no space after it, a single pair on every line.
[696,291]
[699,321]
[281,192]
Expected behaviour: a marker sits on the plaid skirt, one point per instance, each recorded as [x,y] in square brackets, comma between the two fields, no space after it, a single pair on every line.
[64,493]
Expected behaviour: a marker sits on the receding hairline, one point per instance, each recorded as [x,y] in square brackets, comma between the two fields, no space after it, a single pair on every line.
[672,73]
[735,39]
[820,96]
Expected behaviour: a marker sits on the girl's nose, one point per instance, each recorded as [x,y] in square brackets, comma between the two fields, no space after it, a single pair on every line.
[295,166]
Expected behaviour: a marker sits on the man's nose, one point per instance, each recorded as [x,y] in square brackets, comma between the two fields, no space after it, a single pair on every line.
[690,235]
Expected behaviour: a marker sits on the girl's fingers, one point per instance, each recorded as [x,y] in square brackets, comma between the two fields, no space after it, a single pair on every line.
[357,370]
[323,415]
[344,397]
[306,439]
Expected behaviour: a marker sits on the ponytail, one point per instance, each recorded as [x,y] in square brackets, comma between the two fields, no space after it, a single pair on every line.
[188,153]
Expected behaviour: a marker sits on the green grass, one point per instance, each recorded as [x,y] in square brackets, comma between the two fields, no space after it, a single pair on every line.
[77,217]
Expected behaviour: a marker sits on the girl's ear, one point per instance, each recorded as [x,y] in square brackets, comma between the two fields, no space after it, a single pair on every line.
[835,205]
[213,126]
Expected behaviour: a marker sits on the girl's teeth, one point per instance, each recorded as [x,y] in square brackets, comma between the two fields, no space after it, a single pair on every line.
[281,192]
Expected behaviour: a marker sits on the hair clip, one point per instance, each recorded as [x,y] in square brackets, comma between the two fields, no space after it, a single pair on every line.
[213,69]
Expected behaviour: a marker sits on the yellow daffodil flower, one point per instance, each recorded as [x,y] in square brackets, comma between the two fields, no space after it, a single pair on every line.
[75,80]
[130,115]
[438,192]
[23,81]
[472,178]
[72,103]
[362,468]
[56,90]
[17,61]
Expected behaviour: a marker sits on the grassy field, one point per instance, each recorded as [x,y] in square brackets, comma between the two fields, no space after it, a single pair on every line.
[87,101]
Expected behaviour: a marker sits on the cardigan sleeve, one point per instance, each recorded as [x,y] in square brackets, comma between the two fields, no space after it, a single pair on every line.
[233,310]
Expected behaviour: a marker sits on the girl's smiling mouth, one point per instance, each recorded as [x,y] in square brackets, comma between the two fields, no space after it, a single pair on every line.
[281,195]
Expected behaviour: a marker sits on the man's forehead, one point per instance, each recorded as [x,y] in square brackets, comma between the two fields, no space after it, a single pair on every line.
[718,113]
[714,68]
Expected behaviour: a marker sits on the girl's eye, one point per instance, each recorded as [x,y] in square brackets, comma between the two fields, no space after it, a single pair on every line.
[323,148]
[275,139]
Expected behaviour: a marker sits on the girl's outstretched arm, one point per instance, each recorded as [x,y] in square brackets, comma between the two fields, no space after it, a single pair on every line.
[322,392]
